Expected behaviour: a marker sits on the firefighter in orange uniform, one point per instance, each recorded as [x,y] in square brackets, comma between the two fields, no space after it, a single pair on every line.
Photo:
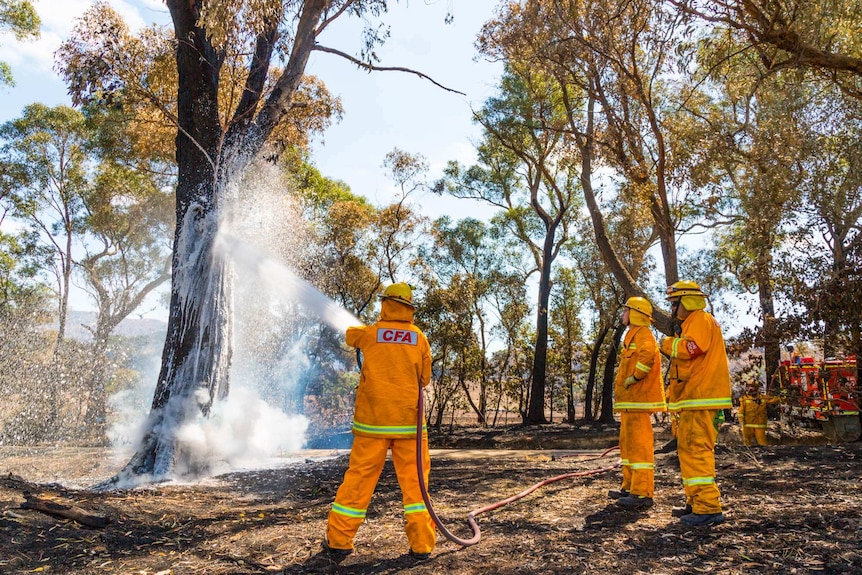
[396,362]
[752,414]
[638,392]
[698,386]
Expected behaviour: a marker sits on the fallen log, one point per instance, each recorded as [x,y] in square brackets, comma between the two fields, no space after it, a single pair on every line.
[62,511]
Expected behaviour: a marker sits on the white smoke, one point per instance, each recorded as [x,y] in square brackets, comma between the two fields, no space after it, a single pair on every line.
[242,431]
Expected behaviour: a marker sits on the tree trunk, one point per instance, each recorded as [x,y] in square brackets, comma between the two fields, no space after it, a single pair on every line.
[483,369]
[65,283]
[769,331]
[607,415]
[198,345]
[462,382]
[586,146]
[570,385]
[536,409]
[591,378]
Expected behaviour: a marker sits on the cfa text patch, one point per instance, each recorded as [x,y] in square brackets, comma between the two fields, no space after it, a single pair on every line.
[389,335]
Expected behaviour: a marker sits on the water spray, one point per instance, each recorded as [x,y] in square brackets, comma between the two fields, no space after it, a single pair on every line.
[288,282]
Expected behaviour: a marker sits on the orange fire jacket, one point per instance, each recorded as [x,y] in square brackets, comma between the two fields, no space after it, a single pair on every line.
[640,358]
[396,361]
[752,409]
[699,376]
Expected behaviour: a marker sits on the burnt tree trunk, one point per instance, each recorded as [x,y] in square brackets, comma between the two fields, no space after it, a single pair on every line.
[198,347]
[536,408]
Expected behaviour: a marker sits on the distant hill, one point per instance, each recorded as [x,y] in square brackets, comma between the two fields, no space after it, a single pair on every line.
[129,327]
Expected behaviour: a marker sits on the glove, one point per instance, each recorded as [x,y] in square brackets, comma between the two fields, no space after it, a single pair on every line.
[630,380]
[663,345]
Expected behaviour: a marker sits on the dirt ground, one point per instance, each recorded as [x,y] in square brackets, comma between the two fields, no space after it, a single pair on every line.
[790,508]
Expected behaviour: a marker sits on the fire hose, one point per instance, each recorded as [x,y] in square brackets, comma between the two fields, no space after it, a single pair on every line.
[471,517]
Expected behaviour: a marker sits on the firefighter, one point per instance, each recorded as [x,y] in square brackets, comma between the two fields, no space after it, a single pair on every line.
[752,414]
[638,392]
[396,362]
[698,386]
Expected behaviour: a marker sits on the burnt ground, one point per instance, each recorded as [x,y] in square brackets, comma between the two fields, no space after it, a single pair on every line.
[789,508]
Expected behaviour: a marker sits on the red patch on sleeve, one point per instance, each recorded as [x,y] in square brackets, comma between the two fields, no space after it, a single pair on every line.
[692,349]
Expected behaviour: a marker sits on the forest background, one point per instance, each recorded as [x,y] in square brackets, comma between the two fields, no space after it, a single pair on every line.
[624,146]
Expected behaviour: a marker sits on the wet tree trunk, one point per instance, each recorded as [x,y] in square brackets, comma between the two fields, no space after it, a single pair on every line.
[198,347]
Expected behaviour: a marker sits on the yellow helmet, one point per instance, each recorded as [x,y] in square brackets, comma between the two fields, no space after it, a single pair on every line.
[684,288]
[643,308]
[400,292]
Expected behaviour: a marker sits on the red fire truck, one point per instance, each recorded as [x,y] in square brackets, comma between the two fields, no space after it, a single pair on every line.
[824,394]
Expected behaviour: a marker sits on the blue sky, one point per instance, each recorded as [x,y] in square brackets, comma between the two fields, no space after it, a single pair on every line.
[383,110]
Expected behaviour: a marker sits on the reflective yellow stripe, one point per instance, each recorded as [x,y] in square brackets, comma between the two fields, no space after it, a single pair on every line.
[698,481]
[640,405]
[711,403]
[632,346]
[643,368]
[407,430]
[755,426]
[642,466]
[624,462]
[415,508]
[673,351]
[348,511]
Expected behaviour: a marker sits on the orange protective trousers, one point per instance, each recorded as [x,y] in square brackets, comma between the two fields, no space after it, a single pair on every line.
[636,452]
[367,458]
[696,437]
[750,434]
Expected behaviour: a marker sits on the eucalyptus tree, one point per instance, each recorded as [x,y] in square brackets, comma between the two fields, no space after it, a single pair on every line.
[511,367]
[230,100]
[341,262]
[124,259]
[446,318]
[817,35]
[830,227]
[462,255]
[616,64]
[20,18]
[759,123]
[399,226]
[568,302]
[526,169]
[45,163]
[83,200]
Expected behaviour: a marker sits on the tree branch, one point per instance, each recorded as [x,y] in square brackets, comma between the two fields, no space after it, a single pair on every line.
[373,68]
